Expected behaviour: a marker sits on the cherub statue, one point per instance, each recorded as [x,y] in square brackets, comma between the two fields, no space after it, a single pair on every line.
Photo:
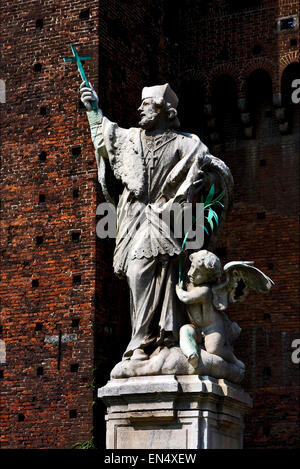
[207,297]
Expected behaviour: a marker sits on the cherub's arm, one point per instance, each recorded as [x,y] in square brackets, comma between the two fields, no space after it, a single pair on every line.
[196,295]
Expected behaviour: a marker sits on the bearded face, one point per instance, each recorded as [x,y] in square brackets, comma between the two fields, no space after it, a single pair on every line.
[151,114]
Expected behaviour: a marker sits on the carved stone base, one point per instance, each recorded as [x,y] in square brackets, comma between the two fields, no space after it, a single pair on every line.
[174,412]
[171,361]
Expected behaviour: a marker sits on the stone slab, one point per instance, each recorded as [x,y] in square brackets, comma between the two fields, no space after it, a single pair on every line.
[174,412]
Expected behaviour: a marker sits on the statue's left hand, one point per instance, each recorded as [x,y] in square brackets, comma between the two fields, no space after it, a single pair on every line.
[88,95]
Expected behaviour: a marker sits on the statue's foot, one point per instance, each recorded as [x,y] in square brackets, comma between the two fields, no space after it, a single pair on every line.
[139,354]
[194,360]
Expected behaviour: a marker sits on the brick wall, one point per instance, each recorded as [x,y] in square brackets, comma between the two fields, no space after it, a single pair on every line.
[48,195]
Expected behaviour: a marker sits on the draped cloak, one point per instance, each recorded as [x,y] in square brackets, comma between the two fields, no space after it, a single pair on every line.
[146,251]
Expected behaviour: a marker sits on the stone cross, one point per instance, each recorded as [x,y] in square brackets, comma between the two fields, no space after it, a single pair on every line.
[76,58]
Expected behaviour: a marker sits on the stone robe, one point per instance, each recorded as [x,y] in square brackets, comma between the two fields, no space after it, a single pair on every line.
[156,170]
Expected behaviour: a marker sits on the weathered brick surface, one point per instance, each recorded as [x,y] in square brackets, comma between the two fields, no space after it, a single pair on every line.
[133,44]
[46,400]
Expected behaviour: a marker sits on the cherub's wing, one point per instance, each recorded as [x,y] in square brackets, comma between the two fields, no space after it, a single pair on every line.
[241,277]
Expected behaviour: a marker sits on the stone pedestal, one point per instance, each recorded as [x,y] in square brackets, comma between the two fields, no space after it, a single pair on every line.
[174,412]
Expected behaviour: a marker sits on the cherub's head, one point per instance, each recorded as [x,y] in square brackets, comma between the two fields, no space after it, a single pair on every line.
[205,268]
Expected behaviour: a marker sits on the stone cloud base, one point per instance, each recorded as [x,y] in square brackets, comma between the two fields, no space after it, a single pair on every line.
[174,412]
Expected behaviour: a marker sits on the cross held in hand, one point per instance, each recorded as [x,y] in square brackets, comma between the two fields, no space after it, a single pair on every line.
[76,58]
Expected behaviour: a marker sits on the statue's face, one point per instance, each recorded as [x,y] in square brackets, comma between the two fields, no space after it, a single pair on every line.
[197,273]
[205,268]
[150,114]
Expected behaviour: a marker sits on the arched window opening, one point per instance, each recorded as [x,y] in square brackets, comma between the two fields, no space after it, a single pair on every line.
[225,108]
[259,101]
[190,107]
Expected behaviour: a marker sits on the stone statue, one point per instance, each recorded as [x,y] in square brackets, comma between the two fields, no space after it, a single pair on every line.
[176,331]
[207,298]
[158,166]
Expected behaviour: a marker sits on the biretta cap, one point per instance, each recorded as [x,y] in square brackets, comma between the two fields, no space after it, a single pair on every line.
[161,91]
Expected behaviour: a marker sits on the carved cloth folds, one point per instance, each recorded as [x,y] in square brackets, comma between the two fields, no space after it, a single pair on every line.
[146,251]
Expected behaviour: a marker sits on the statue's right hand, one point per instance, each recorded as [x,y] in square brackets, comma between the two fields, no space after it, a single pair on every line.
[88,95]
